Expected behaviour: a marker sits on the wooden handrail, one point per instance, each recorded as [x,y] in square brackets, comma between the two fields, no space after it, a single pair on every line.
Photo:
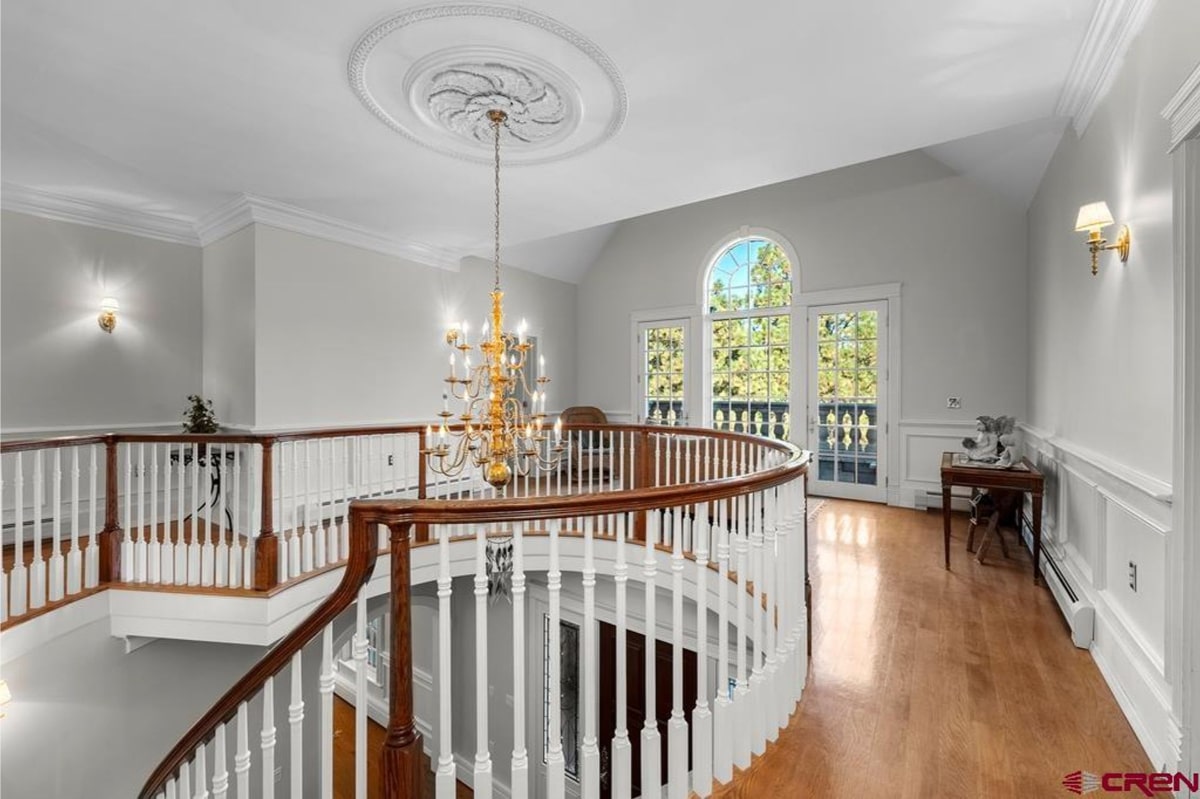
[364,545]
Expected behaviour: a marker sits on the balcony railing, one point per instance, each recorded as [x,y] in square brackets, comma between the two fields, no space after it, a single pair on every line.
[701,522]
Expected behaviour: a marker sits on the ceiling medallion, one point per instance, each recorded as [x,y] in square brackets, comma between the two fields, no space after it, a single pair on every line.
[432,73]
[460,96]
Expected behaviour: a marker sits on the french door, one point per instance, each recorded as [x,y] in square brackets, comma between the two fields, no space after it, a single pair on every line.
[847,402]
[661,373]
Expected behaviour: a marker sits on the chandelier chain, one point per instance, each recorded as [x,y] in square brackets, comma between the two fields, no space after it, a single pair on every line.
[497,120]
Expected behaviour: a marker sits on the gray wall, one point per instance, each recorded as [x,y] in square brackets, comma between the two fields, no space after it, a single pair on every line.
[229,319]
[1101,373]
[58,368]
[1101,382]
[89,721]
[346,336]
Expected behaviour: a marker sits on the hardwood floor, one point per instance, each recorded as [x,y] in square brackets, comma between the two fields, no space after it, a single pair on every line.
[343,757]
[928,683]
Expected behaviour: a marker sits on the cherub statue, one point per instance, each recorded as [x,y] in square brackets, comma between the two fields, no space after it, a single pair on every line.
[993,438]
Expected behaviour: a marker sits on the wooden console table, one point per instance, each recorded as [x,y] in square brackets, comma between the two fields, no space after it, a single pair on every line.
[1027,479]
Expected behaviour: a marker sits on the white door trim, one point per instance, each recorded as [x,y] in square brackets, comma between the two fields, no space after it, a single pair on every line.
[889,293]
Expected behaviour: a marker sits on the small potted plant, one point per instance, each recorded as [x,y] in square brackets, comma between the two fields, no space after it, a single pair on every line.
[200,416]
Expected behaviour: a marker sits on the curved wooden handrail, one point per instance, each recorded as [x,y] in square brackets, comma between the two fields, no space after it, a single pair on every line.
[364,544]
[457,511]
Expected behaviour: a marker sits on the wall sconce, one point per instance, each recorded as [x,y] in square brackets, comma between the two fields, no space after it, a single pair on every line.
[5,696]
[108,314]
[1093,218]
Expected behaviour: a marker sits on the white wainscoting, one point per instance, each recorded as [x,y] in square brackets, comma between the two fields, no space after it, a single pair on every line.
[919,444]
[1099,517]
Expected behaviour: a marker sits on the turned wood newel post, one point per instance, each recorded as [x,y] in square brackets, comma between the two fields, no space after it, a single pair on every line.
[110,536]
[400,767]
[266,551]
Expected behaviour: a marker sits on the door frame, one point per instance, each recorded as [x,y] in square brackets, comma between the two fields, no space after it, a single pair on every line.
[889,295]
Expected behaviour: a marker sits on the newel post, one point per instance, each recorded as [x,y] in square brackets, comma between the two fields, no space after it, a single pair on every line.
[266,551]
[110,536]
[400,768]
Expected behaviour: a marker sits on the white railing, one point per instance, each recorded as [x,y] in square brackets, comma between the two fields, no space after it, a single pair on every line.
[705,529]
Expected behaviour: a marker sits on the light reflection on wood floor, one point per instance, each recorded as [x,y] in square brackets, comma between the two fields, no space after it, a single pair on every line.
[926,683]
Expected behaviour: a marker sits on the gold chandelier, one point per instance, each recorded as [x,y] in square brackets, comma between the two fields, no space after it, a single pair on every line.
[497,433]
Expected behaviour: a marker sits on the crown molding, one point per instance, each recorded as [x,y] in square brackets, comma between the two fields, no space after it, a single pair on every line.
[1183,111]
[1113,27]
[61,208]
[246,209]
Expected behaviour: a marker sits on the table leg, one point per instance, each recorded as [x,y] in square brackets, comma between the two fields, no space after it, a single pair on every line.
[946,524]
[1037,537]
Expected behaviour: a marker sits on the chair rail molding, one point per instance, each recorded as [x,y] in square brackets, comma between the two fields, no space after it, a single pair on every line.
[1114,26]
[1152,487]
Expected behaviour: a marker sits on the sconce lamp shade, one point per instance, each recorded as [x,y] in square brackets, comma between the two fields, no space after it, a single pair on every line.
[1093,216]
[110,304]
[5,694]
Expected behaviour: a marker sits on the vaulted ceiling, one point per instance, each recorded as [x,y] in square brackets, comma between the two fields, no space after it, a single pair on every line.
[364,111]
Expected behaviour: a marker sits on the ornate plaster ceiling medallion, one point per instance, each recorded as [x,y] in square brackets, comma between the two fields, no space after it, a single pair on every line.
[460,96]
[432,73]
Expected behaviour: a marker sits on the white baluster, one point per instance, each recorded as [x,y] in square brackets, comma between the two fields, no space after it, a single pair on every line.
[153,550]
[622,751]
[18,585]
[758,680]
[702,740]
[241,758]
[722,710]
[322,536]
[201,771]
[326,689]
[75,556]
[281,509]
[295,562]
[555,765]
[167,566]
[233,513]
[296,733]
[741,698]
[589,752]
[267,739]
[170,791]
[141,543]
[483,757]
[92,559]
[771,620]
[181,541]
[253,512]
[519,785]
[677,729]
[306,541]
[651,746]
[216,461]
[220,770]
[446,774]
[185,780]
[37,581]
[202,531]
[127,527]
[360,695]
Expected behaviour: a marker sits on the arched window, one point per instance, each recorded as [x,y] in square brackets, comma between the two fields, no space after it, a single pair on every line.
[749,297]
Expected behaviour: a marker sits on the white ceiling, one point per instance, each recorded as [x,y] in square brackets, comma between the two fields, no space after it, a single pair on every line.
[175,108]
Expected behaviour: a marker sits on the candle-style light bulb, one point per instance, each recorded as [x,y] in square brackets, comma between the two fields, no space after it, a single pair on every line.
[445,403]
[558,430]
[521,331]
[453,360]
[466,330]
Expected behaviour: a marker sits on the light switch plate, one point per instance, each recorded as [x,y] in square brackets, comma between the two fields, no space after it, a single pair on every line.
[953,402]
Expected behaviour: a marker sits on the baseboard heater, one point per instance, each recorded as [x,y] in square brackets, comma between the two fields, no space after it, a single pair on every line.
[1079,613]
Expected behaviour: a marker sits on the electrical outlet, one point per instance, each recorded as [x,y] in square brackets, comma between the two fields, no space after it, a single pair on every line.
[1132,576]
[953,402]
